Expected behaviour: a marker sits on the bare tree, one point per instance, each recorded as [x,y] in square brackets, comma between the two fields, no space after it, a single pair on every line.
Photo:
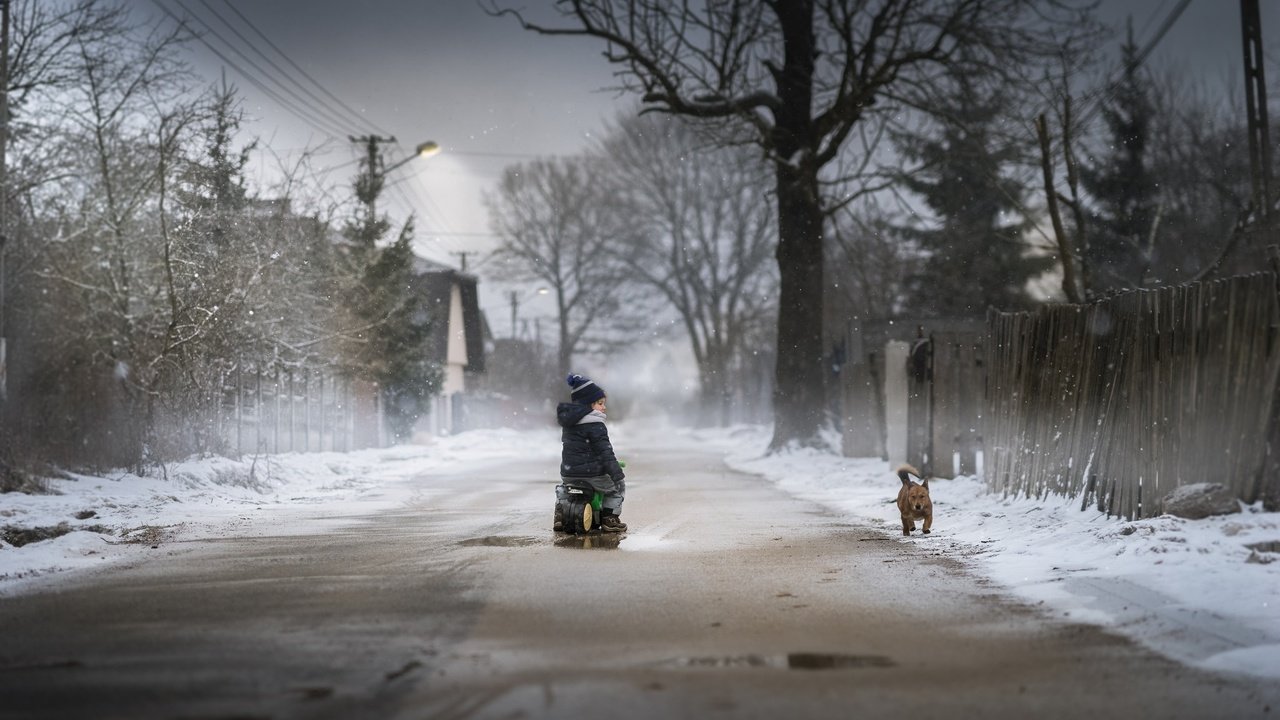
[125,122]
[706,233]
[869,262]
[40,62]
[557,226]
[797,77]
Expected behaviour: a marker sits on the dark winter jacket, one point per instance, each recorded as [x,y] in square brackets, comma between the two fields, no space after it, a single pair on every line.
[585,447]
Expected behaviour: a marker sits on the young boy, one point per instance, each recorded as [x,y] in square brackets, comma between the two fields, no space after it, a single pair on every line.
[586,453]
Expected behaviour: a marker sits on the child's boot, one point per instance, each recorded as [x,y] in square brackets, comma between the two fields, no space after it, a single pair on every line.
[612,523]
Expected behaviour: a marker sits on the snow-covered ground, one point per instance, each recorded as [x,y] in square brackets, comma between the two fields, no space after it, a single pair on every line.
[1191,589]
[220,497]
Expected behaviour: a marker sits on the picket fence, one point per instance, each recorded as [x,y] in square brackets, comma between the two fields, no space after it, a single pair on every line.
[1122,400]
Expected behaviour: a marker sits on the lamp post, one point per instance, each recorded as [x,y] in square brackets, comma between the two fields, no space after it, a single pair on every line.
[424,150]
[371,187]
[515,304]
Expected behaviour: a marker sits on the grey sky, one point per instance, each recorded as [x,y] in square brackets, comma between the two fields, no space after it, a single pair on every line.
[492,94]
[488,92]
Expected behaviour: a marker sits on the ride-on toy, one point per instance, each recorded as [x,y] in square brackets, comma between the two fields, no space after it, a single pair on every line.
[577,507]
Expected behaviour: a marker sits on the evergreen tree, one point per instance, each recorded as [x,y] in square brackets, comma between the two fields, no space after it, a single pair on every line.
[1121,184]
[973,256]
[214,240]
[387,308]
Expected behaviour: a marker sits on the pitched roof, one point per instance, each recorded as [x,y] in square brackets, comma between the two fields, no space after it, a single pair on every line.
[437,283]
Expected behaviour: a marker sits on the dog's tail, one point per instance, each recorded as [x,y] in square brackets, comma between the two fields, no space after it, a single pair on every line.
[904,469]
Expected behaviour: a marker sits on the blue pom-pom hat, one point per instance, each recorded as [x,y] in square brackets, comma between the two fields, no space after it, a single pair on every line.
[583,390]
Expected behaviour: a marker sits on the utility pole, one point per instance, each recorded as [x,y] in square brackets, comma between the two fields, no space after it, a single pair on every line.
[463,255]
[1255,96]
[369,187]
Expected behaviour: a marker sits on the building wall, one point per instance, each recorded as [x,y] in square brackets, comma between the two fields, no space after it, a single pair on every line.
[456,353]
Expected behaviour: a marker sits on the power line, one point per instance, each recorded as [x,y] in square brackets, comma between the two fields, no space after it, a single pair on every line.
[314,122]
[329,116]
[1152,17]
[304,73]
[437,213]
[1114,85]
[332,113]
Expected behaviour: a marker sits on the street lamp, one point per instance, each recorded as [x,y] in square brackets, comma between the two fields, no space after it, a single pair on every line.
[424,150]
[515,304]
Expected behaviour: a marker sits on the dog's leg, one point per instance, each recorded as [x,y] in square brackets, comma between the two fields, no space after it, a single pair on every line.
[907,525]
[928,520]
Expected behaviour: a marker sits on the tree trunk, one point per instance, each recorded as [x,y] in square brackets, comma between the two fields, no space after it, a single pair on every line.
[714,382]
[564,353]
[799,399]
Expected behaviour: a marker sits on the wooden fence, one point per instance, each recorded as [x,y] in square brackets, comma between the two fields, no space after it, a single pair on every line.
[1123,400]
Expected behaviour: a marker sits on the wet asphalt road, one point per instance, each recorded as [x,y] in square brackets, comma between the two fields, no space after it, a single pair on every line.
[725,599]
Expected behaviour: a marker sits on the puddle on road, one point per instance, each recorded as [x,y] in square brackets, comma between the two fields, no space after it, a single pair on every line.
[501,541]
[602,541]
[590,541]
[790,661]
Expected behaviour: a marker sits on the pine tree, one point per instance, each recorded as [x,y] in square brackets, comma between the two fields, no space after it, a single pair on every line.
[214,239]
[386,306]
[973,257]
[1120,182]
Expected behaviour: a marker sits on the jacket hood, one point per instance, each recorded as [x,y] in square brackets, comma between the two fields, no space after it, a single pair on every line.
[570,414]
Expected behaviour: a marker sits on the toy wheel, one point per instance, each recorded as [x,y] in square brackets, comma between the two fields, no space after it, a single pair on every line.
[578,516]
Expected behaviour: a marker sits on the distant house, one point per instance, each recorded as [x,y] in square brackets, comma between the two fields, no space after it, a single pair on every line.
[457,344]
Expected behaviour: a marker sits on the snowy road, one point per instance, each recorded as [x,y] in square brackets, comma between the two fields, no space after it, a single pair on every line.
[728,598]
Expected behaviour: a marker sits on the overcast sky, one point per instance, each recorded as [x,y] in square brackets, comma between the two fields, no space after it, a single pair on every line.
[492,94]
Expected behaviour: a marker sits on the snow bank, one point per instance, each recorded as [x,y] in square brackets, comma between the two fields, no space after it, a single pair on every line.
[1199,591]
[120,517]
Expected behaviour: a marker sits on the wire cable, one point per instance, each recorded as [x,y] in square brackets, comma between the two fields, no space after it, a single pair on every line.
[334,120]
[333,114]
[1114,85]
[304,73]
[317,123]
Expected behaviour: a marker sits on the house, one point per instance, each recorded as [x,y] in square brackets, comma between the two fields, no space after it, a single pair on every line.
[457,344]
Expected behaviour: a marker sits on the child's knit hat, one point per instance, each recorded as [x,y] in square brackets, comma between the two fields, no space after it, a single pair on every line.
[584,391]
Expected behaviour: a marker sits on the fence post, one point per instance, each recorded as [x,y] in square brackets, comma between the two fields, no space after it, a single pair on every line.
[239,410]
[896,391]
[920,406]
[275,413]
[348,416]
[293,431]
[1271,466]
[257,411]
[321,410]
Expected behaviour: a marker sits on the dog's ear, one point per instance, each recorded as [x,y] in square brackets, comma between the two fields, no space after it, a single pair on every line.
[924,482]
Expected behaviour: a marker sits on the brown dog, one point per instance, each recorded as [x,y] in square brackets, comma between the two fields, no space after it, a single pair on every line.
[913,501]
